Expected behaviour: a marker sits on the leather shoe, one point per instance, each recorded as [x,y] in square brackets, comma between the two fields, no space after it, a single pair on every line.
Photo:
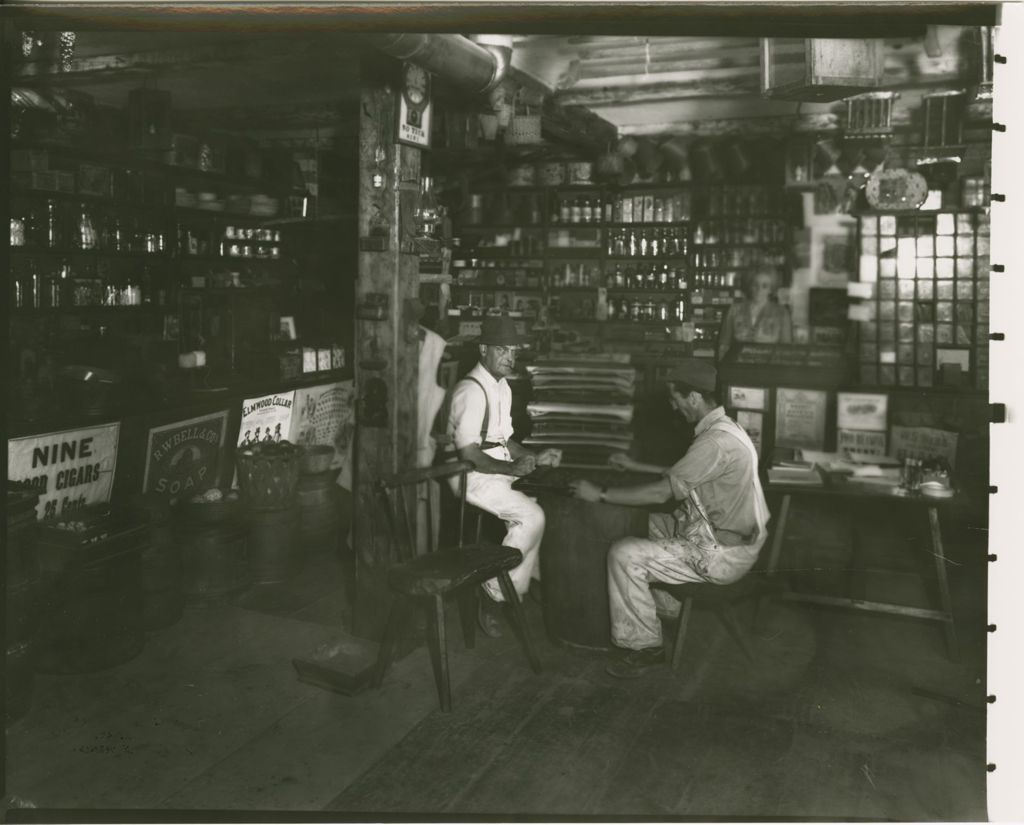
[636,663]
[487,617]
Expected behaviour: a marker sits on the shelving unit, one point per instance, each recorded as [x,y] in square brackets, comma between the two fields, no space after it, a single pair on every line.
[567,261]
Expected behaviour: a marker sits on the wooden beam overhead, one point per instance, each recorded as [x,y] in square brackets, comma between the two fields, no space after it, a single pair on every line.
[743,86]
[758,126]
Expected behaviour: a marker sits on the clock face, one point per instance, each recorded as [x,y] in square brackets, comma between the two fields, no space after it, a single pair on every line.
[416,82]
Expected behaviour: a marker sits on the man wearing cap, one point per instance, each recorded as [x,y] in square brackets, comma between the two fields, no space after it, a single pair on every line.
[715,534]
[480,426]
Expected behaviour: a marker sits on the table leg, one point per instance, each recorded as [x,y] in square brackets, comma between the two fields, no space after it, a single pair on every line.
[940,569]
[778,534]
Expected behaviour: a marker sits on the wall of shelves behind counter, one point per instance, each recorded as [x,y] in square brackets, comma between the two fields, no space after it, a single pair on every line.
[648,257]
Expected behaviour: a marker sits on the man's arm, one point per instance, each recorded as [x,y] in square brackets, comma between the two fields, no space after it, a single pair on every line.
[637,495]
[484,463]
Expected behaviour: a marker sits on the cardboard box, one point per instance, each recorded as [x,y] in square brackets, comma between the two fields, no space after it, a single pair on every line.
[29,160]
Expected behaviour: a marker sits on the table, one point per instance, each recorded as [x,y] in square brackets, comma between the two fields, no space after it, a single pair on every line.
[574,552]
[837,487]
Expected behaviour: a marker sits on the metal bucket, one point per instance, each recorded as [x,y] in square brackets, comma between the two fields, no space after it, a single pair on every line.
[319,513]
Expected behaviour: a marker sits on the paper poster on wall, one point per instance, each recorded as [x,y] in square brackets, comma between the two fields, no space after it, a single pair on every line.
[863,442]
[267,418]
[925,442]
[800,418]
[69,469]
[753,423]
[325,415]
[862,411]
[183,458]
[747,398]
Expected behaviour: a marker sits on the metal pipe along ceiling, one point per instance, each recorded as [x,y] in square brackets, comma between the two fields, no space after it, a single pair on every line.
[463,63]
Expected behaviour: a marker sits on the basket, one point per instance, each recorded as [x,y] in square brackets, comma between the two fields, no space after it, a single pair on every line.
[523,128]
[268,480]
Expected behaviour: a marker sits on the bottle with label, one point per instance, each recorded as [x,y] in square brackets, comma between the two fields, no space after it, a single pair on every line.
[86,229]
[639,280]
[652,277]
[53,237]
[620,279]
[575,211]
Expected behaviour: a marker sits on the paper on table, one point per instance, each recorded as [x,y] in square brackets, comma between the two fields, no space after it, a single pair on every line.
[874,471]
[867,458]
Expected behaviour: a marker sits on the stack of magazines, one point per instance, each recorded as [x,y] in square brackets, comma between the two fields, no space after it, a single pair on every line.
[582,406]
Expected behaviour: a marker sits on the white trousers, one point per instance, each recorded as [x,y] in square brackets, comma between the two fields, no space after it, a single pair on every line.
[524,522]
[633,563]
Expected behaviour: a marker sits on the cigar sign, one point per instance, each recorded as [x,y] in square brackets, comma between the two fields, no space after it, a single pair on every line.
[414,107]
[182,459]
[69,469]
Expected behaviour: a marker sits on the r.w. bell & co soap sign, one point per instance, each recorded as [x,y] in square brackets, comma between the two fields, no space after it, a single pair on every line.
[69,469]
[182,458]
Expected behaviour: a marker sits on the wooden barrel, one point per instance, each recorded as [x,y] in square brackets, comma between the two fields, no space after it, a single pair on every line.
[92,616]
[215,560]
[17,680]
[22,561]
[319,513]
[274,544]
[162,594]
[21,608]
[573,562]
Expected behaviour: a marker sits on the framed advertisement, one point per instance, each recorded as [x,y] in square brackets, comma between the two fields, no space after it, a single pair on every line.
[863,442]
[800,418]
[747,398]
[862,411]
[267,418]
[183,458]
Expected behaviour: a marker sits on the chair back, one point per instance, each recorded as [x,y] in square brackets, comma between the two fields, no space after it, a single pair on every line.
[402,491]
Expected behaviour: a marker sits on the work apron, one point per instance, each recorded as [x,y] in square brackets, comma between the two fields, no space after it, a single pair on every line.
[715,562]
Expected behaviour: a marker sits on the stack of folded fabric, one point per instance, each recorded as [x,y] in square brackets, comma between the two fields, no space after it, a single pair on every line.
[582,407]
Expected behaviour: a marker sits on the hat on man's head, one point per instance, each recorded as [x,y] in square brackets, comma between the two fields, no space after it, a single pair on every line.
[700,375]
[500,331]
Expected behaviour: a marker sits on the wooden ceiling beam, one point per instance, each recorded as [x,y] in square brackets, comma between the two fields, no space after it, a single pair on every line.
[635,81]
[775,126]
[744,86]
[589,70]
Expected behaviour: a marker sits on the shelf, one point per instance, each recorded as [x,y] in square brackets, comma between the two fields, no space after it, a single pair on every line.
[501,227]
[91,253]
[661,259]
[498,288]
[695,247]
[648,224]
[23,312]
[639,291]
[590,289]
[575,252]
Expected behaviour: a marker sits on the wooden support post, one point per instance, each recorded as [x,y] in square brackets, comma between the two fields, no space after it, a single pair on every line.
[386,349]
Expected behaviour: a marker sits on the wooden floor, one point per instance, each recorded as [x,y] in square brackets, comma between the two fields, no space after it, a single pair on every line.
[841,715]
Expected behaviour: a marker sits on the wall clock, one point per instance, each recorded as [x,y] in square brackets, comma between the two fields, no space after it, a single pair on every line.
[894,190]
[414,106]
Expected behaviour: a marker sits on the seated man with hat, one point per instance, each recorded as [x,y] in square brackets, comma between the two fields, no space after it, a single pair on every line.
[714,535]
[480,426]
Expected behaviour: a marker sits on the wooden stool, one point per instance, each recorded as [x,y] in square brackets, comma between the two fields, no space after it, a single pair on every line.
[720,598]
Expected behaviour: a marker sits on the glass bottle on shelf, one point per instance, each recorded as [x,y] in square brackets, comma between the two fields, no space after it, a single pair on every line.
[651,279]
[53,238]
[564,211]
[86,229]
[638,278]
[575,210]
[17,291]
[34,286]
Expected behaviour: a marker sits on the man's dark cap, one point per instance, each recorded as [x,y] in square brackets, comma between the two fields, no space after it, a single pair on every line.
[695,373]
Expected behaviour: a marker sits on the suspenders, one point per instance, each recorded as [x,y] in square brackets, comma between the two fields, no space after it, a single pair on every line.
[484,443]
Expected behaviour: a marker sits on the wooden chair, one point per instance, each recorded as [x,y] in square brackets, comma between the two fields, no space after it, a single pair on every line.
[442,572]
[719,598]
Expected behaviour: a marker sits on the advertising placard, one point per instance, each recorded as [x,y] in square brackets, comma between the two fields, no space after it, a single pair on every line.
[70,469]
[324,415]
[267,418]
[182,459]
[800,418]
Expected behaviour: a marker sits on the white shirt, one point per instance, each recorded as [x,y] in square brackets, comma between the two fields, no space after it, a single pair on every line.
[466,415]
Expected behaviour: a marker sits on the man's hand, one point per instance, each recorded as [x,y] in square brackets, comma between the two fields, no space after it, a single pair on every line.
[586,490]
[524,465]
[551,457]
[621,461]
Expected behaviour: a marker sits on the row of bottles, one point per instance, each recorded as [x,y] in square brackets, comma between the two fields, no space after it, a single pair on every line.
[650,208]
[743,201]
[40,286]
[65,226]
[580,209]
[648,243]
[627,309]
[229,241]
[649,276]
[750,231]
